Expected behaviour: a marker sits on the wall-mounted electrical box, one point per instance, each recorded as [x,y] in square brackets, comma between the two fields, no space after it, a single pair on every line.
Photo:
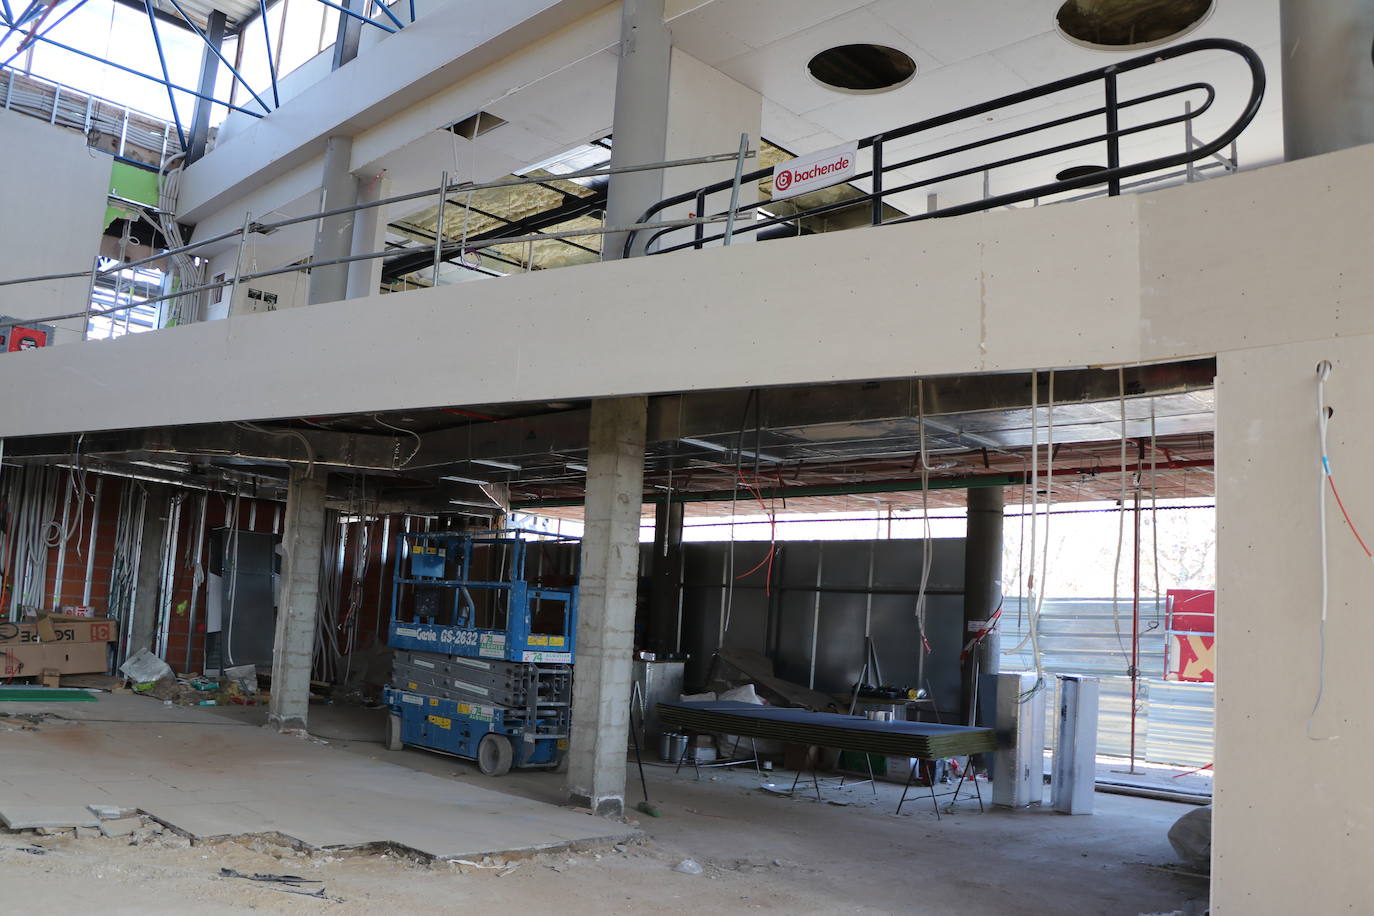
[17,334]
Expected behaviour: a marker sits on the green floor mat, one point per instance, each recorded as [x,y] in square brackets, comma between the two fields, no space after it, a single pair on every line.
[44,695]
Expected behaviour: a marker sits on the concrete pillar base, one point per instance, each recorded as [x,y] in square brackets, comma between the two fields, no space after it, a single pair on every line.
[290,725]
[609,806]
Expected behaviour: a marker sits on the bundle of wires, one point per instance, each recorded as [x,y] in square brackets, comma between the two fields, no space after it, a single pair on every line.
[186,272]
[1035,585]
[1326,480]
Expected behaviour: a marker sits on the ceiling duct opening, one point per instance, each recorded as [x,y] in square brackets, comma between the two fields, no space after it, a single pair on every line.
[1114,25]
[862,68]
[474,126]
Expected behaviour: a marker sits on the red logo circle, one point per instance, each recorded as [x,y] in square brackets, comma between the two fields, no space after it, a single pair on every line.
[783,180]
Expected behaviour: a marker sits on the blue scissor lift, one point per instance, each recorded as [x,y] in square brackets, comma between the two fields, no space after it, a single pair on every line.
[482,630]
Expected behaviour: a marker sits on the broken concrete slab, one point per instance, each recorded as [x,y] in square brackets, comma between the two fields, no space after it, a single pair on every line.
[19,816]
[123,826]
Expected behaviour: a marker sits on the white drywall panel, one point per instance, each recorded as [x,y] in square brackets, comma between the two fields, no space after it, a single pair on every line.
[1060,285]
[1262,257]
[885,302]
[53,206]
[1292,827]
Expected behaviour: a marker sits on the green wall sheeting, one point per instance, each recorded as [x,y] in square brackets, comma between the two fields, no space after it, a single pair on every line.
[131,183]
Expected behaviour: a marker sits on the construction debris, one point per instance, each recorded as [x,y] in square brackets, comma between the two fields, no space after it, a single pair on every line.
[274,879]
[689,867]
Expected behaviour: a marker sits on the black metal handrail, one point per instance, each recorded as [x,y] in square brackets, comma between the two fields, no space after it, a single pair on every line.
[1112,175]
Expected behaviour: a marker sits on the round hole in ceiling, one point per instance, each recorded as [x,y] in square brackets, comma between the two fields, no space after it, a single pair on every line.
[862,68]
[1115,25]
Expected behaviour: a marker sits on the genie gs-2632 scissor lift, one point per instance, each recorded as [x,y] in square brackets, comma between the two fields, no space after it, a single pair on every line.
[482,628]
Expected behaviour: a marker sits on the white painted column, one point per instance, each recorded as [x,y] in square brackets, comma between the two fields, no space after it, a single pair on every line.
[606,616]
[369,235]
[640,127]
[293,653]
[334,234]
[1328,75]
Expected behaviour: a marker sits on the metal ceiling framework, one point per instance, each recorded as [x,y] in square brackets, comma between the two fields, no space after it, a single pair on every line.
[806,448]
[210,20]
[558,204]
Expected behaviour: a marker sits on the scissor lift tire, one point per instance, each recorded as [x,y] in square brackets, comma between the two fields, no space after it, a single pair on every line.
[393,732]
[494,754]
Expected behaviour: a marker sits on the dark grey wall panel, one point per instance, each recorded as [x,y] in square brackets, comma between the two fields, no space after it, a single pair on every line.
[781,625]
[840,642]
[792,659]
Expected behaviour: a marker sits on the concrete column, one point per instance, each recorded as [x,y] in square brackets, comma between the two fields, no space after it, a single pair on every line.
[209,72]
[299,604]
[639,132]
[665,582]
[606,616]
[369,235]
[148,580]
[1328,75]
[982,585]
[334,234]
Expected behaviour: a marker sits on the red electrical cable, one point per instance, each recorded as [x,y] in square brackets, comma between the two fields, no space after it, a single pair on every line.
[1353,530]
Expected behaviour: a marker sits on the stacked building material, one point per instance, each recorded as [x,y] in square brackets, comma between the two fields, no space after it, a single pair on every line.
[925,740]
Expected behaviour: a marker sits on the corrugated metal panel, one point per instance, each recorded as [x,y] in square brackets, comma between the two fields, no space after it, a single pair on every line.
[1174,722]
[237,11]
[1182,723]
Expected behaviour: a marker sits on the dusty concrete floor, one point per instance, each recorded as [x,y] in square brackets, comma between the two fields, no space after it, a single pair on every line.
[210,777]
[759,852]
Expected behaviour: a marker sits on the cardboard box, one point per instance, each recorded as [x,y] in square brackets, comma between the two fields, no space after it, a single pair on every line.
[67,631]
[77,647]
[30,659]
[50,677]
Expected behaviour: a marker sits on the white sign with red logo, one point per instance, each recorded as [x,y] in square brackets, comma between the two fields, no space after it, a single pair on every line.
[818,170]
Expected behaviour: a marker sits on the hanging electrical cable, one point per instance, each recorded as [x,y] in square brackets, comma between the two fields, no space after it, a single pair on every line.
[419,443]
[298,436]
[1326,479]
[1038,599]
[1033,479]
[1120,519]
[927,538]
[1154,516]
[734,506]
[1021,548]
[189,272]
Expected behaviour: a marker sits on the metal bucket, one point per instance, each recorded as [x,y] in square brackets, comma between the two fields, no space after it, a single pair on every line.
[671,747]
